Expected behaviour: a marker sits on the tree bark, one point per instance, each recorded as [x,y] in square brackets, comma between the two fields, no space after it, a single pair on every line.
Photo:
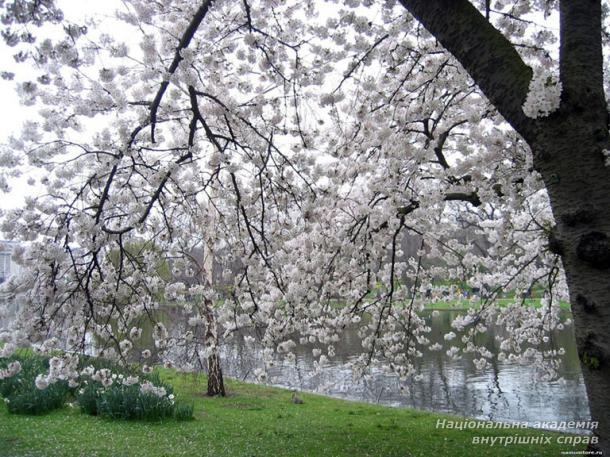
[215,380]
[568,152]
[216,384]
[569,157]
[590,298]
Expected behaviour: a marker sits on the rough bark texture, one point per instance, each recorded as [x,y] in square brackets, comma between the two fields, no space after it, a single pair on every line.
[216,384]
[567,148]
[568,154]
[579,189]
[490,59]
[215,380]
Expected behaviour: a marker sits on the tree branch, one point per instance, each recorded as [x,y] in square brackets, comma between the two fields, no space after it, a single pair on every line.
[188,35]
[470,197]
[489,58]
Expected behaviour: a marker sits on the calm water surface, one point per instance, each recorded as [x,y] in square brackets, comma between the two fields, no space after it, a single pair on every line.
[505,391]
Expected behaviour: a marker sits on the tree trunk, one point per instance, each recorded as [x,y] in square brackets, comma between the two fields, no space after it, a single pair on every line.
[590,298]
[215,380]
[216,384]
[572,164]
[569,153]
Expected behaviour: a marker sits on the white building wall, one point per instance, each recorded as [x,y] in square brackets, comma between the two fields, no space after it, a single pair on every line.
[8,267]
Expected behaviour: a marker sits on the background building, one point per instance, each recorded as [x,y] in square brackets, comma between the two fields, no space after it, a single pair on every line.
[7,266]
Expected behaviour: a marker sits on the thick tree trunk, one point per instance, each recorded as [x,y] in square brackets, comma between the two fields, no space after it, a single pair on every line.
[568,150]
[569,154]
[590,298]
[571,161]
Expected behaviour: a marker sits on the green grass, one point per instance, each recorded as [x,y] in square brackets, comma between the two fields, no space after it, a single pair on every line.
[466,304]
[463,304]
[256,421]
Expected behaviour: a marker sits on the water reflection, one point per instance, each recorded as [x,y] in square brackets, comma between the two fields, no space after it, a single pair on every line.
[505,391]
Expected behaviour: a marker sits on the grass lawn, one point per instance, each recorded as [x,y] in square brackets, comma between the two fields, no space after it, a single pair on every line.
[466,304]
[258,421]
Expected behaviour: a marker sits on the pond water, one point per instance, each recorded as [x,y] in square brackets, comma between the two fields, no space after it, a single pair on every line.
[505,391]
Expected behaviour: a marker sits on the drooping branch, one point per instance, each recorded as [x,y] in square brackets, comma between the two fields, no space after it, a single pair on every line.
[467,197]
[403,211]
[188,35]
[354,66]
[489,58]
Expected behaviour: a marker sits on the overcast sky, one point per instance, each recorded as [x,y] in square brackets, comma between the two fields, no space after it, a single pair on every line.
[12,114]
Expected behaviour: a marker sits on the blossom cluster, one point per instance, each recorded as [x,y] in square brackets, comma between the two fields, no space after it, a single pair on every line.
[63,368]
[12,369]
[289,179]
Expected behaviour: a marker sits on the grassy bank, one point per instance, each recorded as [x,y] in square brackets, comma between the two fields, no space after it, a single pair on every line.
[466,304]
[257,421]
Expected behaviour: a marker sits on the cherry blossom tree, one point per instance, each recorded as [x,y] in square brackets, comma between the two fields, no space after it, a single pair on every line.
[302,142]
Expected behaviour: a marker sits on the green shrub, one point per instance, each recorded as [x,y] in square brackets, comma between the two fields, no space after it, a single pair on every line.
[21,394]
[151,400]
[86,398]
[120,401]
[31,365]
[35,401]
